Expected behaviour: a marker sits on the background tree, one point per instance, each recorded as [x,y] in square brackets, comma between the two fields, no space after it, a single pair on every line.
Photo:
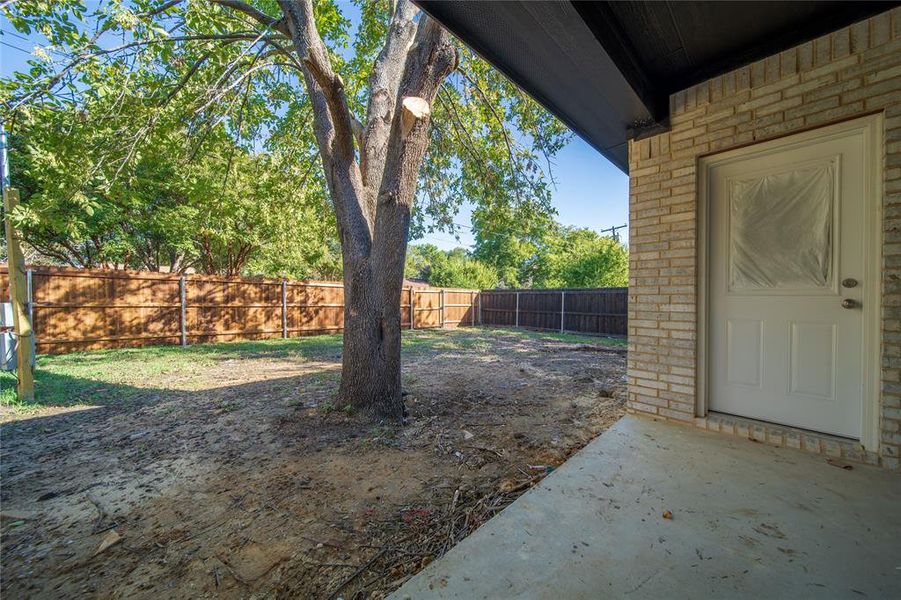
[221,211]
[560,257]
[511,238]
[581,258]
[454,268]
[527,248]
[283,76]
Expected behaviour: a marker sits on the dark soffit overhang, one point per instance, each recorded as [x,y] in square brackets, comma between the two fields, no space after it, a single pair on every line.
[607,69]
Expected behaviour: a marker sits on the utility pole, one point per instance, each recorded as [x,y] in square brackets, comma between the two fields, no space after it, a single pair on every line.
[18,286]
[613,232]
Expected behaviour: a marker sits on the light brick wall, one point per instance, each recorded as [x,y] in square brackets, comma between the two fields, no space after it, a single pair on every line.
[849,73]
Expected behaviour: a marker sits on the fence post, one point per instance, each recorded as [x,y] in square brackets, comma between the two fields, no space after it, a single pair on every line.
[29,286]
[562,310]
[182,292]
[18,292]
[284,309]
[479,294]
[472,308]
[441,305]
[517,310]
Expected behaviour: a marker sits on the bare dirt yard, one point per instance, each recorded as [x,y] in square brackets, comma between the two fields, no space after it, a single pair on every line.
[225,471]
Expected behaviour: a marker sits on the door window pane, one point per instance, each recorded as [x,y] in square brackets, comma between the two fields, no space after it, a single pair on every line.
[781,230]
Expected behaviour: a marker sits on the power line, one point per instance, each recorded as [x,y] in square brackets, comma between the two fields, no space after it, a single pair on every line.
[500,236]
[15,47]
[14,34]
[46,48]
[613,230]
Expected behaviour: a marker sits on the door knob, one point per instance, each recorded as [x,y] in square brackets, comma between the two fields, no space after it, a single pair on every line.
[849,303]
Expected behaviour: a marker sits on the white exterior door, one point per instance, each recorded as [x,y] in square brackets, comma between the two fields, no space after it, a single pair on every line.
[787,262]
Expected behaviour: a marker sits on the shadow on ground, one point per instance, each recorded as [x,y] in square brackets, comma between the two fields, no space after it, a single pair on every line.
[227,470]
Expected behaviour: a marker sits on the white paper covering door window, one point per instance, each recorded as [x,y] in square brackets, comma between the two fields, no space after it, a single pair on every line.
[781,230]
[788,284]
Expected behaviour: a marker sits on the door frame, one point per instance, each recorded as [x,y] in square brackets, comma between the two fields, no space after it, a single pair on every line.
[871,127]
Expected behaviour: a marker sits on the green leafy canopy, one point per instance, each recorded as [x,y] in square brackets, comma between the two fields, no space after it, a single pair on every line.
[181,129]
[177,135]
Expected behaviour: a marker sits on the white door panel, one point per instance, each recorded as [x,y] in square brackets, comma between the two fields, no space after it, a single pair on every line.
[744,352]
[812,366]
[787,226]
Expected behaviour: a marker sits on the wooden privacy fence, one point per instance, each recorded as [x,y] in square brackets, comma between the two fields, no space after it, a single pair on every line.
[85,309]
[597,310]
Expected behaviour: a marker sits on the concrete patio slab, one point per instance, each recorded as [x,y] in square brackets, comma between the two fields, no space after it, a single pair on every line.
[748,520]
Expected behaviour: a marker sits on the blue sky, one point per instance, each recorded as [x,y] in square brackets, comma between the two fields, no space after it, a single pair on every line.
[590,191]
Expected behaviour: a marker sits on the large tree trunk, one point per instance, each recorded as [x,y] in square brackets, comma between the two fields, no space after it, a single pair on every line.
[371,366]
[372,196]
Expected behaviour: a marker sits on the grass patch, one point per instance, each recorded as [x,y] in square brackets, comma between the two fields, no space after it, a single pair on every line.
[570,338]
[106,376]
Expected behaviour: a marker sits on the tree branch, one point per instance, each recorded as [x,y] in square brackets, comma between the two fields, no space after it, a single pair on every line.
[358,131]
[49,250]
[184,80]
[468,142]
[81,58]
[233,65]
[317,66]
[500,122]
[429,62]
[257,15]
[235,36]
[333,126]
[286,53]
[384,85]
[160,9]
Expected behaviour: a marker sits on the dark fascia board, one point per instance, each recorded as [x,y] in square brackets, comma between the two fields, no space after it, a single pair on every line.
[615,146]
[613,54]
[603,24]
[608,31]
[843,15]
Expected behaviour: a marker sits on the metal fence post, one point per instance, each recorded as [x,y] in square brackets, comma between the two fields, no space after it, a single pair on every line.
[182,284]
[284,309]
[29,288]
[412,310]
[441,305]
[562,310]
[516,324]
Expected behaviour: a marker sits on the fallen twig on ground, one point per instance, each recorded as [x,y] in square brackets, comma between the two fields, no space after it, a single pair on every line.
[357,573]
